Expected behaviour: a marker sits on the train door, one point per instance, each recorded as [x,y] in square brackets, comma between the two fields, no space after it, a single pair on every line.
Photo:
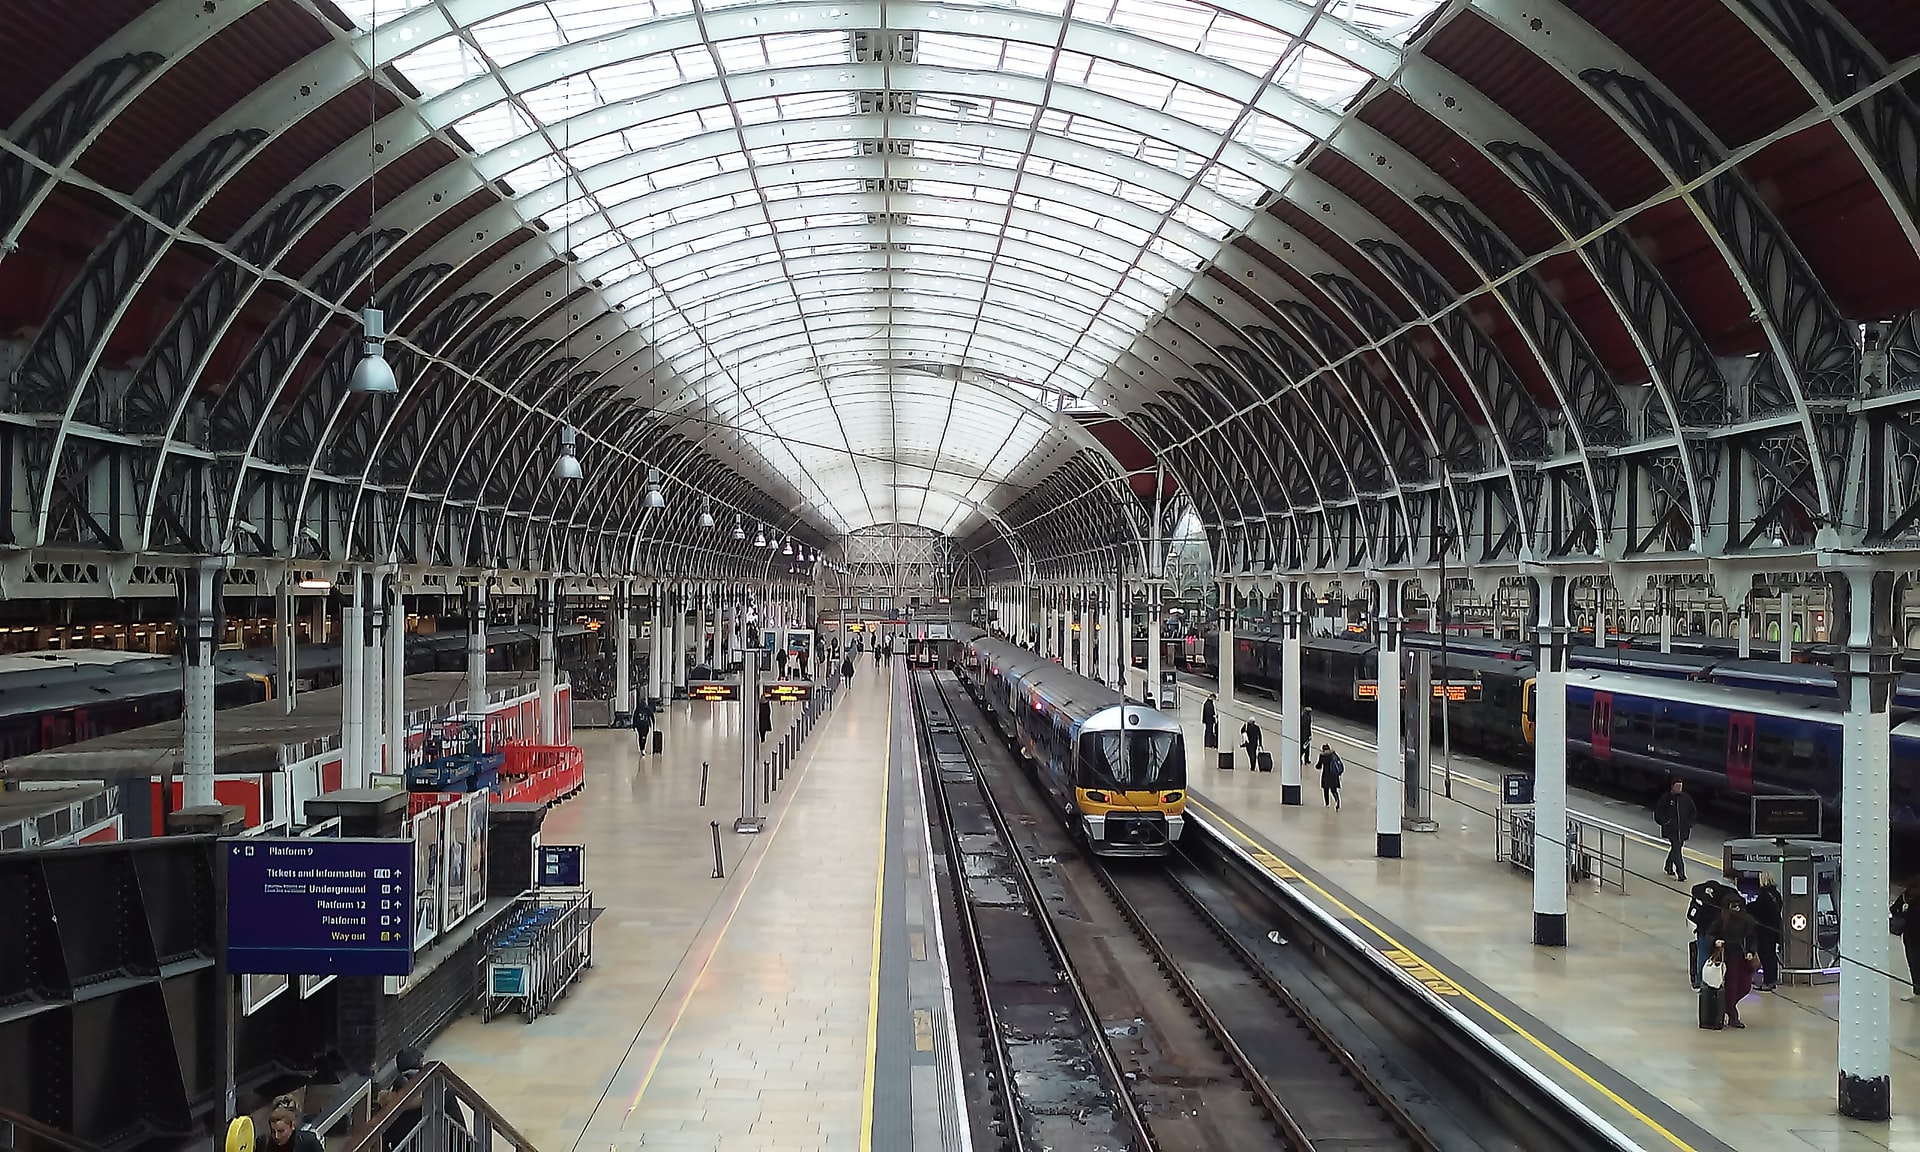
[1600,736]
[1740,751]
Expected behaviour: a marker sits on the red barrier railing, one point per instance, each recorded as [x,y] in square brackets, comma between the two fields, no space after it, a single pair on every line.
[541,773]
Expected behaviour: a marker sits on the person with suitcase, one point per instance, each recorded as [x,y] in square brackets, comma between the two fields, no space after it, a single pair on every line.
[1703,912]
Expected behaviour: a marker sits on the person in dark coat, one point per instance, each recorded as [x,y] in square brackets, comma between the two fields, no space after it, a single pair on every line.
[1210,720]
[1675,813]
[1703,911]
[1766,915]
[1905,915]
[1331,769]
[1741,938]
[846,669]
[643,721]
[1306,735]
[1250,740]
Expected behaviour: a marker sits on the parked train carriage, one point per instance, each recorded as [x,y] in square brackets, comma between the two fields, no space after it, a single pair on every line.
[1116,771]
[1727,743]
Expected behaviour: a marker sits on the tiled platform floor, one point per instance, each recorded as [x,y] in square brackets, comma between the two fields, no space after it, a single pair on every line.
[1619,991]
[719,1014]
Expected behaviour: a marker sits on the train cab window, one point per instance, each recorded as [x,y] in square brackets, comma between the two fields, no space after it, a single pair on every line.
[1152,761]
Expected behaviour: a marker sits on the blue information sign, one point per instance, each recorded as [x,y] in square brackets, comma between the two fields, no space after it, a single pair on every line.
[319,906]
[1516,788]
[562,866]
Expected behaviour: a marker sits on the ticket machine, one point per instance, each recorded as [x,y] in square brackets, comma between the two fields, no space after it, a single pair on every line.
[1808,873]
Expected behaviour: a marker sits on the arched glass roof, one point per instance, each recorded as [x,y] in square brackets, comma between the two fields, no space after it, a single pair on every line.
[883,245]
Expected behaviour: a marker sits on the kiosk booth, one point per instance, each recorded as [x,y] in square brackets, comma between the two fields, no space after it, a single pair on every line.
[1807,871]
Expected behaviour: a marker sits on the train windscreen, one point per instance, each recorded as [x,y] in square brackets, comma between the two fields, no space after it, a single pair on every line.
[1154,761]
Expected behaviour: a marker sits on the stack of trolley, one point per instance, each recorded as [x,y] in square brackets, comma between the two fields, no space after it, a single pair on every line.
[543,943]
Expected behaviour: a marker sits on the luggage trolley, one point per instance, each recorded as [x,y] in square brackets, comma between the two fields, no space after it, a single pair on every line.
[545,941]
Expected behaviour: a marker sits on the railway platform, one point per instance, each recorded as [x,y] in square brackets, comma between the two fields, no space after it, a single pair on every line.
[1610,1017]
[797,1003]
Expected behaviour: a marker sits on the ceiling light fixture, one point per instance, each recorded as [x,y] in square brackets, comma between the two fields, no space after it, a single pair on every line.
[373,376]
[787,548]
[567,466]
[739,529]
[760,537]
[706,512]
[655,498]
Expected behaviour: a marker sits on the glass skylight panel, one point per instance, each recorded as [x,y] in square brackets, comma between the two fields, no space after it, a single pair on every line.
[945,50]
[361,12]
[1199,106]
[1232,185]
[1176,22]
[1124,82]
[1252,47]
[1026,59]
[1272,137]
[441,66]
[1323,77]
[513,36]
[742,55]
[631,79]
[1201,222]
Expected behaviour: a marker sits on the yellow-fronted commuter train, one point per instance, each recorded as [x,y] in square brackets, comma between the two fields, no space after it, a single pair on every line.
[1116,771]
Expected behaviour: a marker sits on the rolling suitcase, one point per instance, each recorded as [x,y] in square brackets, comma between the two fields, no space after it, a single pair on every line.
[1713,1007]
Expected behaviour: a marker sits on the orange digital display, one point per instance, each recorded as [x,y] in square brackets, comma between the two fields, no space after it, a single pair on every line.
[713,690]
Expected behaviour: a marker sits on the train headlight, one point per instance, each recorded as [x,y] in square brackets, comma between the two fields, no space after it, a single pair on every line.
[1096,797]
[1171,797]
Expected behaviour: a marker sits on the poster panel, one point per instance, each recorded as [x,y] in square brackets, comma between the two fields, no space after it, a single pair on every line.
[454,903]
[477,851]
[427,881]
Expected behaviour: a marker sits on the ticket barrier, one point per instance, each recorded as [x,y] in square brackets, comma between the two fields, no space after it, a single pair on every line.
[1808,875]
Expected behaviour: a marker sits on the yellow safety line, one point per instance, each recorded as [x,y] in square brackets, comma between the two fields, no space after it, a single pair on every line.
[739,897]
[873,983]
[1489,1009]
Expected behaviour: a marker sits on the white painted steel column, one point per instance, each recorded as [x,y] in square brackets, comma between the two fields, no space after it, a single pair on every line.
[395,676]
[1292,621]
[373,660]
[680,637]
[1864,604]
[286,640]
[1666,619]
[549,593]
[1153,642]
[200,640]
[1085,664]
[477,648]
[1550,595]
[1226,652]
[1786,627]
[1746,626]
[623,653]
[353,769]
[1389,784]
[656,648]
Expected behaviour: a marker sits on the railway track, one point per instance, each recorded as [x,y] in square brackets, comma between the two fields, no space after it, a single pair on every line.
[1213,1050]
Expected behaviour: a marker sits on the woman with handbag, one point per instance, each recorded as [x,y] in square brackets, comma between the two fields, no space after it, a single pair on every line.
[1903,920]
[1713,977]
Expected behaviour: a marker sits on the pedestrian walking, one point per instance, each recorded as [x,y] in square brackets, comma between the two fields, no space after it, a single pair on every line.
[1331,769]
[1675,813]
[1250,740]
[846,669]
[1739,940]
[1703,912]
[1210,720]
[1306,734]
[643,721]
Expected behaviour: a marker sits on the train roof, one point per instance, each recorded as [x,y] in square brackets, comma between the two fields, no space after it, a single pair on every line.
[1702,694]
[1061,687]
[251,738]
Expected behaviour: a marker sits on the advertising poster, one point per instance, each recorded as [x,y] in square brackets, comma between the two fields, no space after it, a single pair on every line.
[427,880]
[455,838]
[477,851]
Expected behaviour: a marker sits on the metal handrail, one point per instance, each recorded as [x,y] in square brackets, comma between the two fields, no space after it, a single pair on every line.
[436,1131]
[25,1134]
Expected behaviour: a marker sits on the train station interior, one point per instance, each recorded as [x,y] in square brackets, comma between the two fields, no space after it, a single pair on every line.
[959,575]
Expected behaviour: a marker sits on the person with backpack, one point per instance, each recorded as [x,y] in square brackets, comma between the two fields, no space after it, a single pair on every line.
[1331,769]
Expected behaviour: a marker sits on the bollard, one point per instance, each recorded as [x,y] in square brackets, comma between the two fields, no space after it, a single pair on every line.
[703,783]
[719,866]
[766,785]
